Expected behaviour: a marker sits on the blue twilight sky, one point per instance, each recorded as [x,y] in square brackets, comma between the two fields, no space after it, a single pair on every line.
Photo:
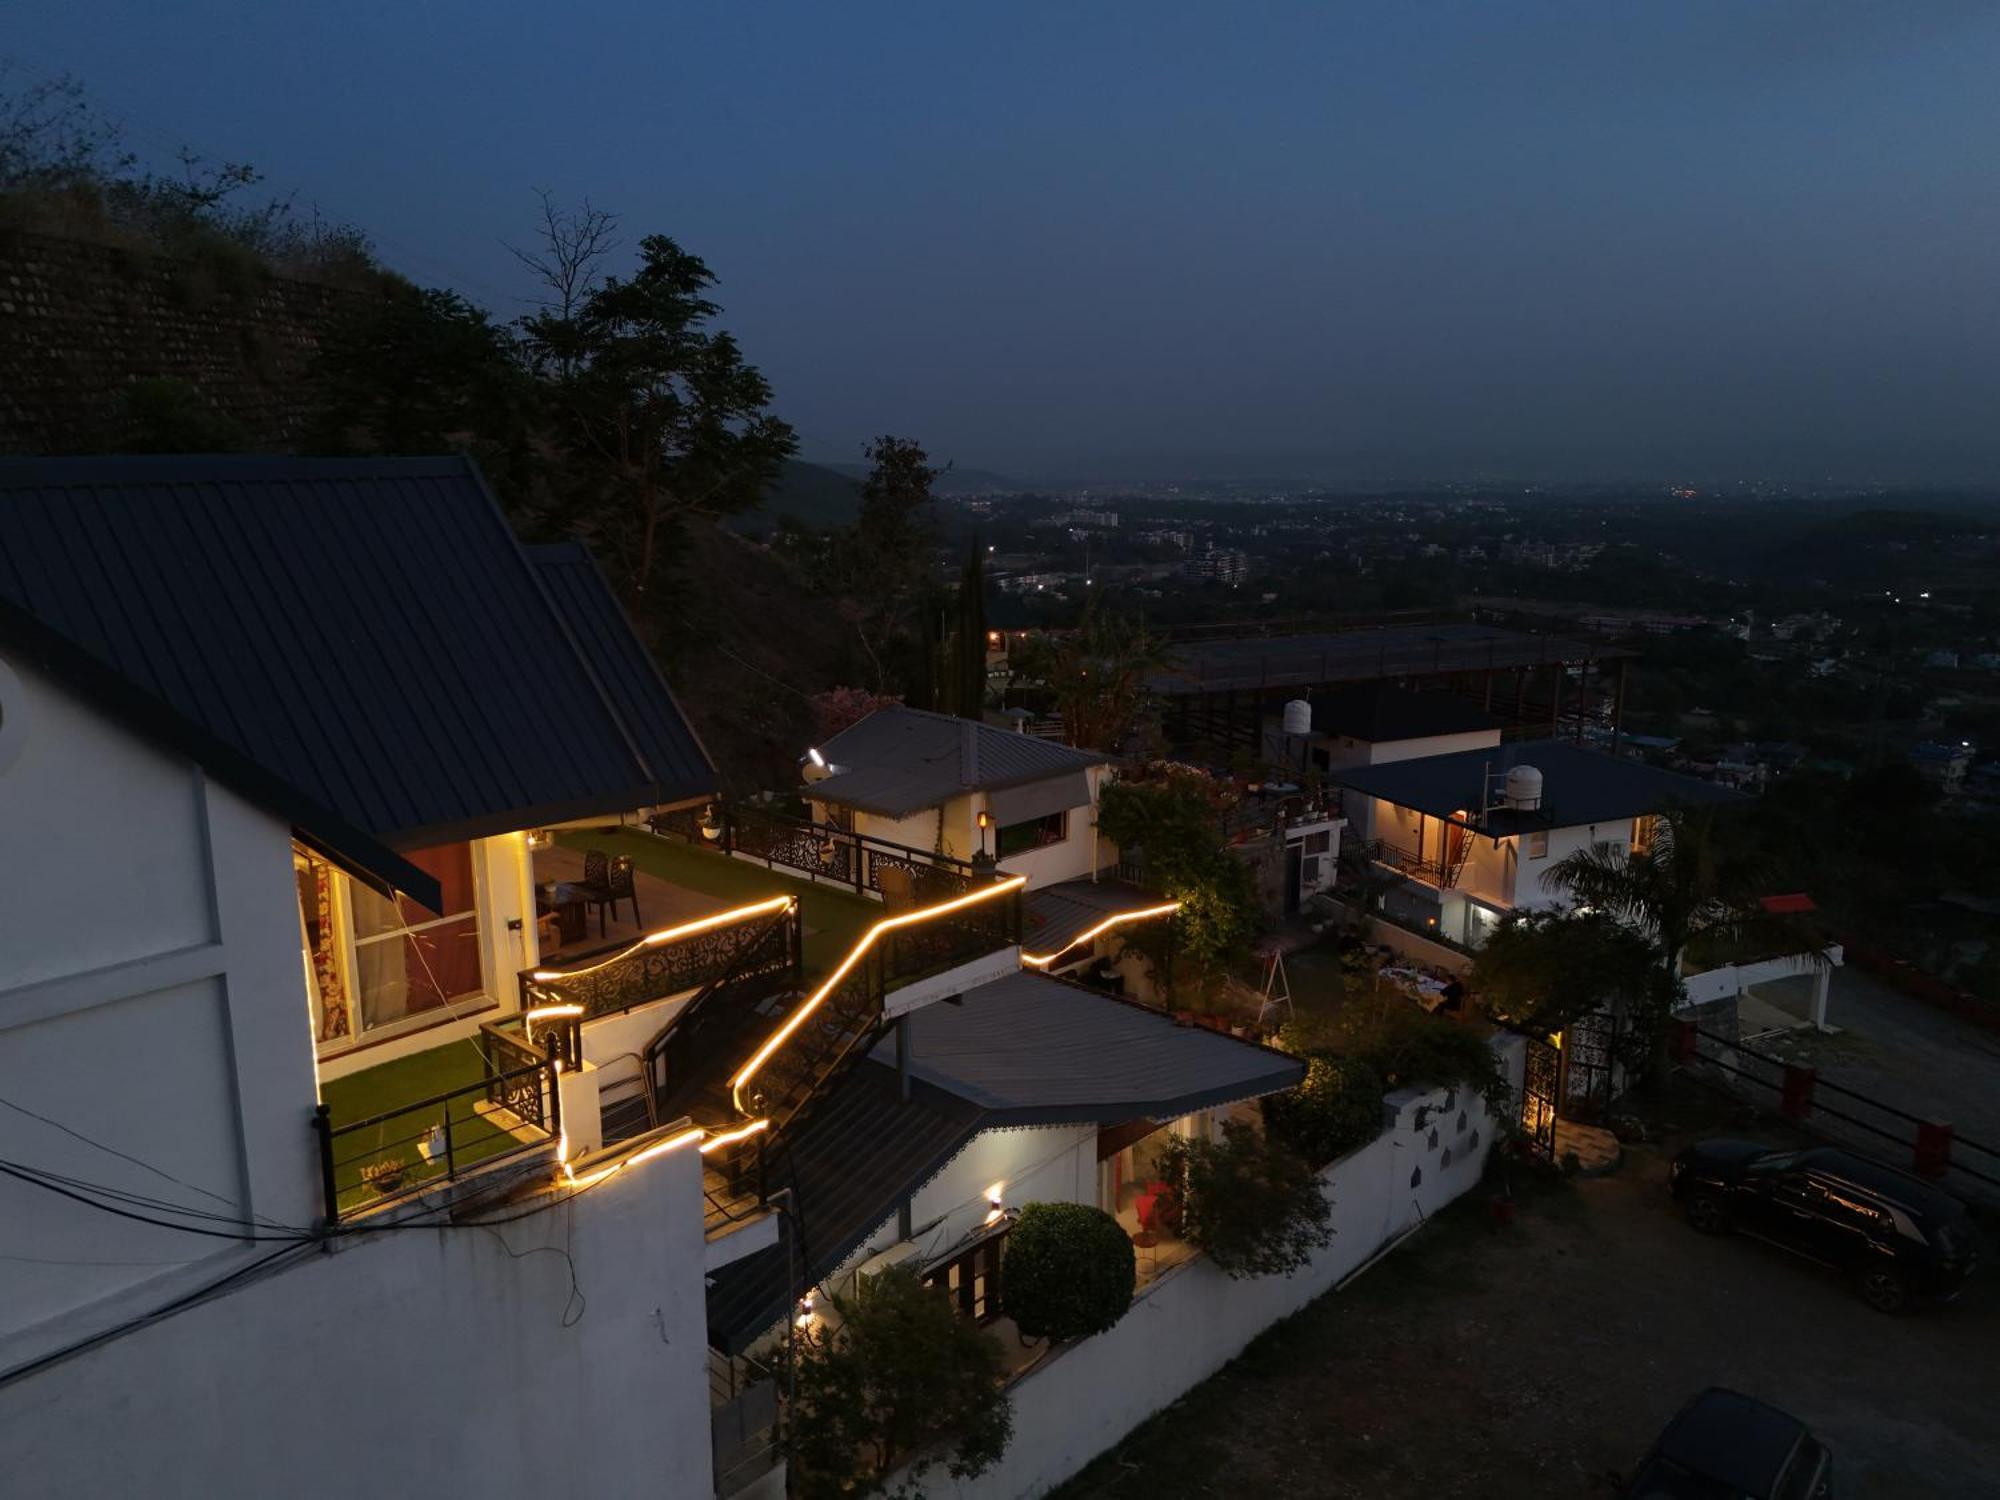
[1400,237]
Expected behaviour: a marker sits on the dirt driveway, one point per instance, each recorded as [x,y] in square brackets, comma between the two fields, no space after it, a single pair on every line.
[1533,1360]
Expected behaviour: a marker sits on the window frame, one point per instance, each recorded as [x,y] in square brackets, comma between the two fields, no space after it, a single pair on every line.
[1060,820]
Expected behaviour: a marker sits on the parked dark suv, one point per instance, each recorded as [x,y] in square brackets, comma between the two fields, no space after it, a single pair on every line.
[1726,1446]
[1899,1238]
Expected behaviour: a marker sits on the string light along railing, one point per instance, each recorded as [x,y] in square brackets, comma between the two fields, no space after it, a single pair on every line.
[1117,919]
[860,951]
[670,935]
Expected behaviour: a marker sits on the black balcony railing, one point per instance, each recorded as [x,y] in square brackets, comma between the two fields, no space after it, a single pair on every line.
[385,1156]
[620,976]
[898,873]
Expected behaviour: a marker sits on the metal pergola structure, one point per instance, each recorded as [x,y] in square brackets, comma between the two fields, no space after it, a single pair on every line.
[1219,690]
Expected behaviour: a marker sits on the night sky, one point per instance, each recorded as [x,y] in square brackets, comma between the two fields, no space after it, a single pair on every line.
[1344,241]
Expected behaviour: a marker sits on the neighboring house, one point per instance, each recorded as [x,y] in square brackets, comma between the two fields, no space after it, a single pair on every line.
[938,784]
[1023,1088]
[272,733]
[1470,836]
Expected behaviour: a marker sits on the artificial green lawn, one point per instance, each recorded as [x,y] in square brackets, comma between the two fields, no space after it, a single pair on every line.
[834,919]
[390,1085]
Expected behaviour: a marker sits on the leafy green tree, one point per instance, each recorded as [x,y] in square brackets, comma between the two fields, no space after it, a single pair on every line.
[653,413]
[1097,673]
[894,1373]
[1173,821]
[965,656]
[1693,887]
[416,370]
[1069,1271]
[1539,971]
[880,573]
[1335,1109]
[1254,1207]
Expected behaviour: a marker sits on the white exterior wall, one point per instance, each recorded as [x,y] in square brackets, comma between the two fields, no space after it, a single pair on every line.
[1532,892]
[1080,852]
[1190,1322]
[153,998]
[430,1362]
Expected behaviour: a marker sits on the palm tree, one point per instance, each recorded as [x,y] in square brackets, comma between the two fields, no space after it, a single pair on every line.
[1689,887]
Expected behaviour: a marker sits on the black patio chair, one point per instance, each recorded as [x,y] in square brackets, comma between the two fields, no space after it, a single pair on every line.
[616,885]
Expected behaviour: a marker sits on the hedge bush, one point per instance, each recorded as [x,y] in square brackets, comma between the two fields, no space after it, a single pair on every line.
[1336,1109]
[1068,1271]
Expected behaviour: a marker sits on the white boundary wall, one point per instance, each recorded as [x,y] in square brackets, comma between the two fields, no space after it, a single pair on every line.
[1193,1320]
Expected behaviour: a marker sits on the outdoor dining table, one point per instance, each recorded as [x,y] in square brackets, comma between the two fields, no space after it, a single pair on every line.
[566,899]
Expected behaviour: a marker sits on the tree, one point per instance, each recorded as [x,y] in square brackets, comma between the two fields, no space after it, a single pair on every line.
[1539,971]
[965,675]
[1097,674]
[1690,886]
[1252,1206]
[879,572]
[1336,1108]
[654,414]
[1174,820]
[417,371]
[1069,1271]
[894,1373]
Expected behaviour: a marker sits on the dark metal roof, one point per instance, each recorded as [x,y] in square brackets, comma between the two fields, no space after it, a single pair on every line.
[1057,915]
[1381,711]
[359,645]
[1578,786]
[1032,1050]
[1361,655]
[626,671]
[899,761]
[856,1159]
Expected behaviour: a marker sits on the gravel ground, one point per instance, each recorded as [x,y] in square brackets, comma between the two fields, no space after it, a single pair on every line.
[1539,1358]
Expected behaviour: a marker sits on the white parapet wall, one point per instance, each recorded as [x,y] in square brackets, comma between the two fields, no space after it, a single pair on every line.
[1193,1320]
[452,1362]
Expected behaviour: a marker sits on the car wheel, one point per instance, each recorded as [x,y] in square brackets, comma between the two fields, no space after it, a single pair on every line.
[1707,1214]
[1885,1290]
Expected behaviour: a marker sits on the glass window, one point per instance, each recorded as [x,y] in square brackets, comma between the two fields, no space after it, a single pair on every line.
[1036,833]
[1538,845]
[408,960]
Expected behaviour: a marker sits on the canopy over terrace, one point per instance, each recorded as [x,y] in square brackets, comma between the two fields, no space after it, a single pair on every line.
[1219,688]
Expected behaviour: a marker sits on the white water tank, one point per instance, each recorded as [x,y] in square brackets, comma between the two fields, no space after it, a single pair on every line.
[1298,717]
[1524,788]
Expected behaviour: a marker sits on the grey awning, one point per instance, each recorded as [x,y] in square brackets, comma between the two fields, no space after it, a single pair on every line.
[1018,804]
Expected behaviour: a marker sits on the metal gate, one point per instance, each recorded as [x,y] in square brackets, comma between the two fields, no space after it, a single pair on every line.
[1539,1092]
[1589,1065]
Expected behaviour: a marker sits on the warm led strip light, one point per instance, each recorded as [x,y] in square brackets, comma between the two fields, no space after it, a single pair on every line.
[658,1148]
[730,1139]
[855,955]
[1139,914]
[669,934]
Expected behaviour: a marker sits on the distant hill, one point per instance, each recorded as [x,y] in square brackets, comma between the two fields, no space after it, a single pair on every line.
[813,493]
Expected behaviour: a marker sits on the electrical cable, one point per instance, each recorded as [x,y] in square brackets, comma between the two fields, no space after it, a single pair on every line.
[159,1172]
[29,1175]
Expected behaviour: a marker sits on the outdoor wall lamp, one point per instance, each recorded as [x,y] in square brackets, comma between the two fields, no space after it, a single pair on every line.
[711,825]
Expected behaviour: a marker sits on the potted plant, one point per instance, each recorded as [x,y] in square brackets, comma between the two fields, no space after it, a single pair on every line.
[385,1176]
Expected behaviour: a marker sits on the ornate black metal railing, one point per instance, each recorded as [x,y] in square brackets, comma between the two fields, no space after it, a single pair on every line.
[950,939]
[713,1032]
[423,1143]
[898,873]
[620,976]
